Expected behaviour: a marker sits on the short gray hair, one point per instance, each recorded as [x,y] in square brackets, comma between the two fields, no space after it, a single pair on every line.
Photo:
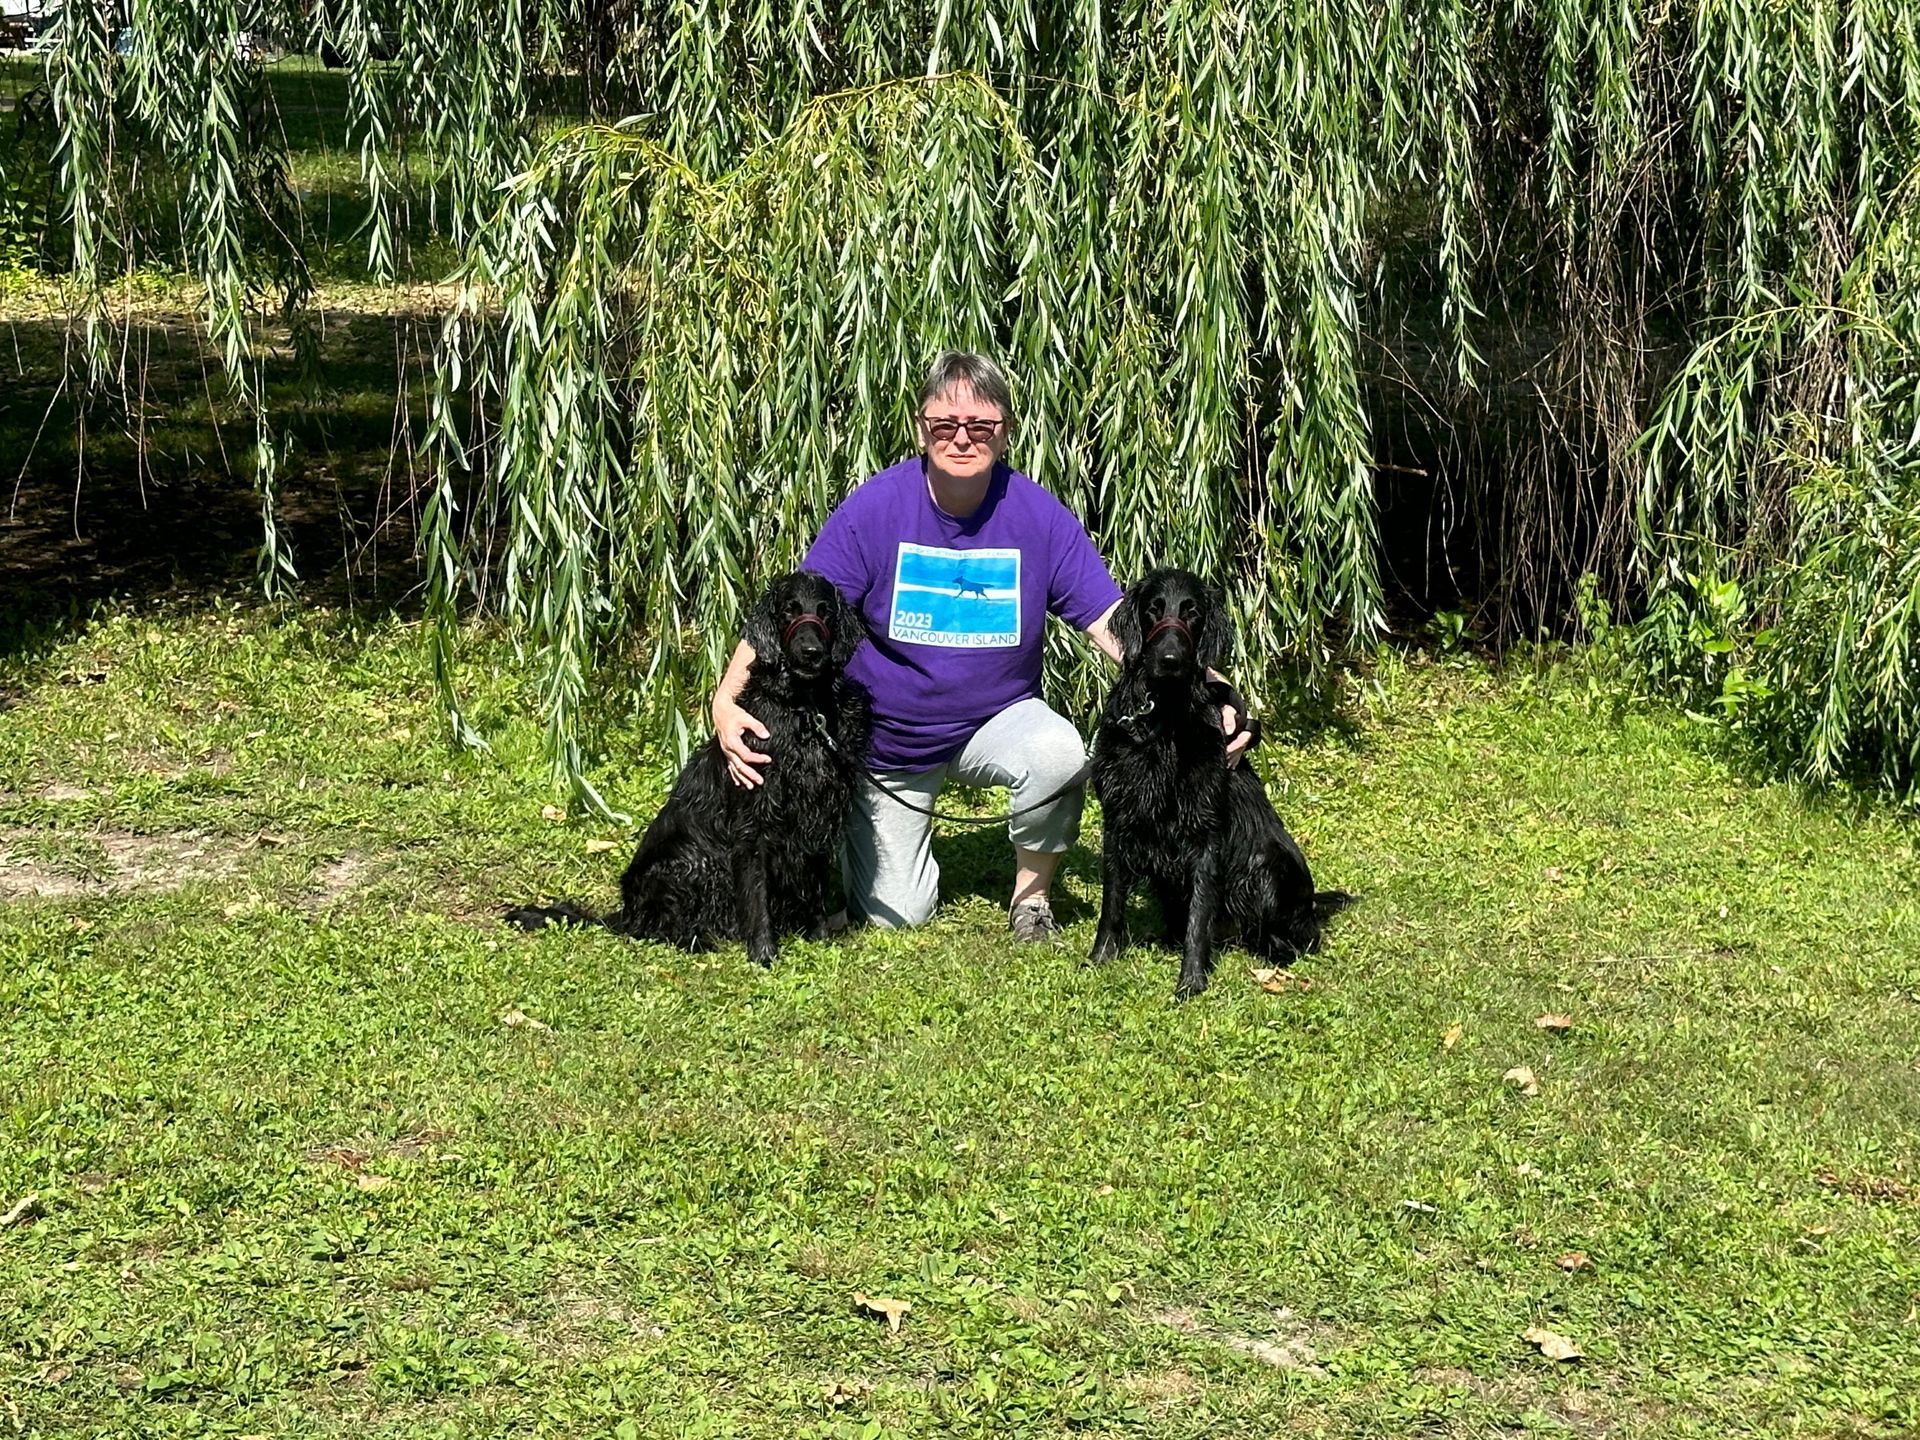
[965,370]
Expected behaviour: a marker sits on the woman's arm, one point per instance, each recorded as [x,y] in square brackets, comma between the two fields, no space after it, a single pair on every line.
[731,724]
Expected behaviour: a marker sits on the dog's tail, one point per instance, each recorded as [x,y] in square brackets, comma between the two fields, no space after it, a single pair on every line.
[538,917]
[1329,903]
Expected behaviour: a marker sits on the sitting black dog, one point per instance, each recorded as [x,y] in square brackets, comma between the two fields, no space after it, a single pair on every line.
[1201,833]
[722,863]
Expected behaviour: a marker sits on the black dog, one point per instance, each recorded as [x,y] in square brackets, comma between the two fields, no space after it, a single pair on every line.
[1204,835]
[722,863]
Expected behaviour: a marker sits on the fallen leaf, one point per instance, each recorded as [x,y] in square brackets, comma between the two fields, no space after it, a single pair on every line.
[79,926]
[1528,1082]
[880,1305]
[1867,1187]
[373,1182]
[1554,1347]
[20,1214]
[1551,1021]
[1527,1170]
[845,1392]
[1554,872]
[1574,1260]
[515,1018]
[1419,1206]
[1276,981]
[1452,1037]
[600,847]
[552,812]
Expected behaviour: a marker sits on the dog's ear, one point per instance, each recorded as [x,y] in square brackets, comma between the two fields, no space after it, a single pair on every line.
[1214,643]
[847,626]
[1125,624]
[762,629]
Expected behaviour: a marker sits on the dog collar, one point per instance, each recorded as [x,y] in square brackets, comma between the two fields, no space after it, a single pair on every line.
[798,621]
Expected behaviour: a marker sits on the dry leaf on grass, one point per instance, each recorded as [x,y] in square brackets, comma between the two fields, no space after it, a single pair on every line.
[880,1305]
[1276,981]
[1554,1347]
[1452,1037]
[1551,1021]
[513,1019]
[1554,872]
[1866,1187]
[552,812]
[845,1392]
[1574,1260]
[27,1210]
[373,1182]
[1528,1082]
[600,847]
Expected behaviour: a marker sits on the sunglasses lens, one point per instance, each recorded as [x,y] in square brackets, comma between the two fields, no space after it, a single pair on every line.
[978,431]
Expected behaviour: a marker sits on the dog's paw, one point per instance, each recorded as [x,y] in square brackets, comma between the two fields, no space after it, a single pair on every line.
[1106,949]
[763,955]
[1190,985]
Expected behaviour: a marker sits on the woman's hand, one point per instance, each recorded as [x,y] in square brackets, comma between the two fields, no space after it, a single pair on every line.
[732,725]
[1231,718]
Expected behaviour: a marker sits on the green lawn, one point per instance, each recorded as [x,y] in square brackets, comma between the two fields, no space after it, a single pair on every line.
[298,1176]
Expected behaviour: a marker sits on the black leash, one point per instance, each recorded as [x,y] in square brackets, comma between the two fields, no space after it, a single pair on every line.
[1126,722]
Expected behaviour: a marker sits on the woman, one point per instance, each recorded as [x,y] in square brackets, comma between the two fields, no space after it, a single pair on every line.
[954,560]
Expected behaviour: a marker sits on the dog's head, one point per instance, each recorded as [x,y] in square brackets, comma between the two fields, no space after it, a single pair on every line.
[802,625]
[1172,626]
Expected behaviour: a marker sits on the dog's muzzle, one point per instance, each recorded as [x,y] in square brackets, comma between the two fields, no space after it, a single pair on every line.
[793,627]
[1169,622]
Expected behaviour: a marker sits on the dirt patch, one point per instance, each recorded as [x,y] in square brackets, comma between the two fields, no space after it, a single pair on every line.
[1575,1408]
[1162,1388]
[580,1324]
[103,862]
[337,879]
[61,793]
[1290,1345]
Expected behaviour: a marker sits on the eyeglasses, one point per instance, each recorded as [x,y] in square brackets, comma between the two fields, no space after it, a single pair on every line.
[945,427]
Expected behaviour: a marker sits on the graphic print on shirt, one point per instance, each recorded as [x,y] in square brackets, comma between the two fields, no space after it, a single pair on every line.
[964,599]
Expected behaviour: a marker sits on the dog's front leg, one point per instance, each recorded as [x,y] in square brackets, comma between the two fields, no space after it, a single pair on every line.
[1111,937]
[1196,964]
[817,899]
[750,893]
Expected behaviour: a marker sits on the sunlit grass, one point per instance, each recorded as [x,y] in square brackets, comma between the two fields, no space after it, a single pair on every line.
[298,1176]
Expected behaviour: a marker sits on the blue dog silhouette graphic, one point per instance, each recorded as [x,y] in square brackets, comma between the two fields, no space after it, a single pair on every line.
[964,586]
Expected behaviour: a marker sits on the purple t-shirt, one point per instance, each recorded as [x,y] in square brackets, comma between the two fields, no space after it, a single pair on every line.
[956,609]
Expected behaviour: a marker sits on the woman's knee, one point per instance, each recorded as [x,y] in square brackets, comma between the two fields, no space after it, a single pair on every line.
[901,907]
[1055,754]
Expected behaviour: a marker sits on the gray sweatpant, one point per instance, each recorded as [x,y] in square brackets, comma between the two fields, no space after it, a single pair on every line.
[892,877]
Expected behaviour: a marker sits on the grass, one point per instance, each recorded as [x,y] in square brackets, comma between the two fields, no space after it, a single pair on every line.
[298,1176]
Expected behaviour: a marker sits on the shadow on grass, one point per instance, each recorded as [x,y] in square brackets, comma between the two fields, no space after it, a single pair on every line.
[147,490]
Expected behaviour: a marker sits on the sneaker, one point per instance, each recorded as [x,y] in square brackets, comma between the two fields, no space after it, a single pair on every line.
[1032,920]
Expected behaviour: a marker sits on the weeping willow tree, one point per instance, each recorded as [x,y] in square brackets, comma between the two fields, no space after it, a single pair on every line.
[1664,253]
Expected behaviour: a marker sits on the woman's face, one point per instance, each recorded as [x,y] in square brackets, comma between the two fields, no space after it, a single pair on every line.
[962,435]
